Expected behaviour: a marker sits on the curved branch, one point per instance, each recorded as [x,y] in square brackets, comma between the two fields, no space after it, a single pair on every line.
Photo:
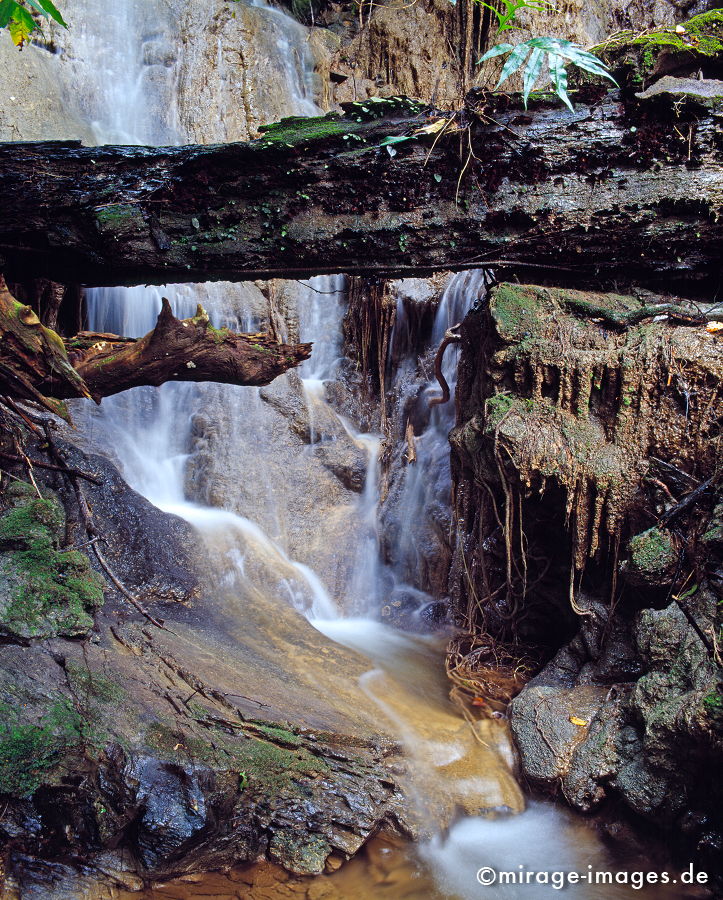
[36,364]
[177,350]
[451,336]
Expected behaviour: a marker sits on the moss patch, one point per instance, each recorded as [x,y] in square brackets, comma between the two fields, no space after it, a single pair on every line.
[653,557]
[261,764]
[44,591]
[516,310]
[296,130]
[635,59]
[93,685]
[30,753]
[120,217]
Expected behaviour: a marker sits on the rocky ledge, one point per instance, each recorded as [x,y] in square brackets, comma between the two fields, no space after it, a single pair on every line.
[135,751]
[587,467]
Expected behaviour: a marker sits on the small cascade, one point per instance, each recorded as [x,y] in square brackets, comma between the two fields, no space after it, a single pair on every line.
[134,99]
[428,483]
[263,531]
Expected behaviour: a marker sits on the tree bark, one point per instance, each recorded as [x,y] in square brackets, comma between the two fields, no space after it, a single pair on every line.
[627,191]
[37,365]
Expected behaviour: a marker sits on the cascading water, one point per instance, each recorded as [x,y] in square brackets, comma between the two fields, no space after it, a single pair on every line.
[148,431]
[136,95]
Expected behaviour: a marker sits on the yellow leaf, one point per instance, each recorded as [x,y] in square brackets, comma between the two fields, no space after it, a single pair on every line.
[714,327]
[433,128]
[21,26]
[576,721]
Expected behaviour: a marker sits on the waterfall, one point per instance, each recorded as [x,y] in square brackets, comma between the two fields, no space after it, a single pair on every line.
[146,430]
[137,85]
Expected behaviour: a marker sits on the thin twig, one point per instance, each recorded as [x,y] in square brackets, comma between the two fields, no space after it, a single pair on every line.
[41,465]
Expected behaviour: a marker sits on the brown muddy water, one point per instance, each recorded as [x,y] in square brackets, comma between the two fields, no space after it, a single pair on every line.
[456,772]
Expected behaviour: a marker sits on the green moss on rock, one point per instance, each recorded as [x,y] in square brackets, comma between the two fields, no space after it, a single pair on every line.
[515,309]
[266,767]
[44,591]
[29,753]
[635,58]
[653,557]
[295,130]
[120,217]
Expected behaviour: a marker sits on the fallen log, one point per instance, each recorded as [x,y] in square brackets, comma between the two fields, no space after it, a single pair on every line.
[626,191]
[38,365]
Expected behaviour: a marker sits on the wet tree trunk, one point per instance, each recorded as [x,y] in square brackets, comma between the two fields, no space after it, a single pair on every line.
[615,191]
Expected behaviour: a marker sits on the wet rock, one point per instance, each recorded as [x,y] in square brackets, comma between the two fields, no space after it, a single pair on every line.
[174,808]
[635,733]
[549,725]
[346,461]
[173,745]
[653,558]
[706,88]
[152,552]
[45,589]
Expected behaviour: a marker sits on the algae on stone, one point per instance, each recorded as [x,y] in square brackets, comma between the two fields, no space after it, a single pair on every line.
[29,752]
[653,558]
[637,58]
[44,591]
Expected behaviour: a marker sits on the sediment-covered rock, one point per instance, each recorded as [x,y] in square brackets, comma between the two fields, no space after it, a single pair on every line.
[587,469]
[202,743]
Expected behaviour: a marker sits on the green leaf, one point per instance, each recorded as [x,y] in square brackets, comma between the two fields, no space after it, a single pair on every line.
[573,52]
[593,64]
[21,26]
[517,57]
[497,50]
[559,78]
[7,8]
[547,43]
[396,139]
[532,73]
[49,10]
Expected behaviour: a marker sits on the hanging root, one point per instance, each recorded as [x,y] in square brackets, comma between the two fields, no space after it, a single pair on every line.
[487,674]
[451,336]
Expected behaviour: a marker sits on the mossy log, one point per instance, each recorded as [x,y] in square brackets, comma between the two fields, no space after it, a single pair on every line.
[37,364]
[626,191]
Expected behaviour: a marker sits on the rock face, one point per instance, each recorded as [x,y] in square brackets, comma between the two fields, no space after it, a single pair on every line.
[172,746]
[215,71]
[579,431]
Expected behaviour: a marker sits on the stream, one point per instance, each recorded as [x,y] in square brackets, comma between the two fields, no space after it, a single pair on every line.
[469,808]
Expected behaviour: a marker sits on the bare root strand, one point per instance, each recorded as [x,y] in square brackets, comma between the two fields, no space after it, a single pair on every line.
[67,470]
[451,336]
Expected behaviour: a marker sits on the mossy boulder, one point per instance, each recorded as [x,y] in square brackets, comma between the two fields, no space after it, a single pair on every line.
[638,59]
[44,591]
[653,558]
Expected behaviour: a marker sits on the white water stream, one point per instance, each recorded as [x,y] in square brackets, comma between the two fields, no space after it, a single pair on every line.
[133,93]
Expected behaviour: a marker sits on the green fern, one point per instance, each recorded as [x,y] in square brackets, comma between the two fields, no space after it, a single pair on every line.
[557,52]
[505,19]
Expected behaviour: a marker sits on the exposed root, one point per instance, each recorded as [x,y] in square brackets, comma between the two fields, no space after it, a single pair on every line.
[451,336]
[486,674]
